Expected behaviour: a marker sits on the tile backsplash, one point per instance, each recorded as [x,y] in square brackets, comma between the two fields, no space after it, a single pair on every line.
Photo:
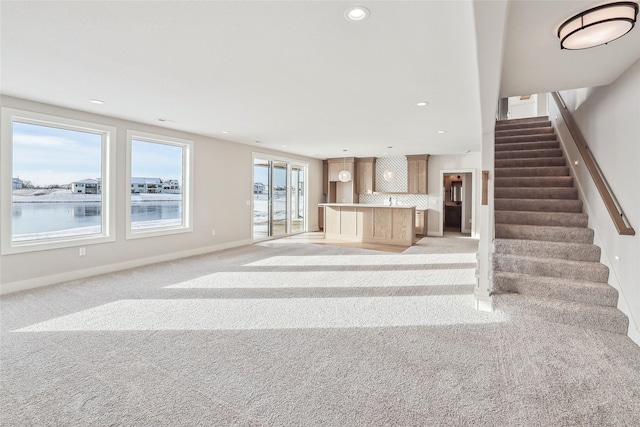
[421,201]
[397,165]
[397,185]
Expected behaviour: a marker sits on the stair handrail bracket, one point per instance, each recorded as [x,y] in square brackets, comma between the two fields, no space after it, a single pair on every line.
[620,220]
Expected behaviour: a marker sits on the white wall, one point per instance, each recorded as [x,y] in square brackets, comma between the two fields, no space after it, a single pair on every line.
[467,201]
[448,163]
[609,118]
[222,187]
[520,108]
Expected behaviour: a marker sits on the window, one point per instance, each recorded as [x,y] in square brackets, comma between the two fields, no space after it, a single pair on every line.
[159,182]
[279,201]
[61,182]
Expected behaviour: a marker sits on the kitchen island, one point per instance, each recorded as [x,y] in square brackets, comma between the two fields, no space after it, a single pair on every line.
[392,225]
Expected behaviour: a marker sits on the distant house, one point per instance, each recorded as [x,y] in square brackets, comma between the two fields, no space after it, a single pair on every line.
[170,186]
[87,186]
[259,188]
[16,183]
[146,185]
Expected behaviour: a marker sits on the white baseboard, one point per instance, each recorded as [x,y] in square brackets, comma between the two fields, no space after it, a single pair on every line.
[483,303]
[38,282]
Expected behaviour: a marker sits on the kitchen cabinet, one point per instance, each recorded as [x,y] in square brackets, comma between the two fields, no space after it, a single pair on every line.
[321,217]
[365,175]
[391,225]
[417,174]
[325,177]
[421,222]
[339,164]
[338,191]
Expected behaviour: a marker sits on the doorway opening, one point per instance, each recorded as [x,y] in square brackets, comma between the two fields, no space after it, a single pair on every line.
[458,202]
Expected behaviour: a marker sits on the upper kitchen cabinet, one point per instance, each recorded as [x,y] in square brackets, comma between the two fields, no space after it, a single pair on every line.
[417,174]
[325,177]
[338,165]
[338,191]
[365,175]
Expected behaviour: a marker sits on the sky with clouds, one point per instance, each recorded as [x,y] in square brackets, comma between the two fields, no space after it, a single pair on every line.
[47,156]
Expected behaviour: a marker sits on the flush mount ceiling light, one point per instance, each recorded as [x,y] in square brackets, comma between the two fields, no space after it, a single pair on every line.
[344,175]
[441,131]
[357,13]
[598,26]
[96,101]
[422,104]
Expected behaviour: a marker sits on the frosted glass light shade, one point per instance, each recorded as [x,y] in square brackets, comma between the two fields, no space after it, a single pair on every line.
[344,176]
[389,175]
[598,26]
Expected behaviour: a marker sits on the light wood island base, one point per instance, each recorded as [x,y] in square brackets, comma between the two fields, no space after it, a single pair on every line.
[392,225]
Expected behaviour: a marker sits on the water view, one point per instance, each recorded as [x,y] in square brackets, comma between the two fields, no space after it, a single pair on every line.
[44,219]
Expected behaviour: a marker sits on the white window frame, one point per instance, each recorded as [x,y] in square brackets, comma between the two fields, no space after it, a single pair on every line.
[108,150]
[273,158]
[187,185]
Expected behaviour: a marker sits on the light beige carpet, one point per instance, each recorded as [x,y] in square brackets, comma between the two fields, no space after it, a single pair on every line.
[302,334]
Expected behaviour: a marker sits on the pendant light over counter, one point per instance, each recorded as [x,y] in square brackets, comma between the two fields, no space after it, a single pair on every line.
[344,175]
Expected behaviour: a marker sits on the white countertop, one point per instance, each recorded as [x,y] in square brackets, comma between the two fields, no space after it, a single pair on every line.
[365,205]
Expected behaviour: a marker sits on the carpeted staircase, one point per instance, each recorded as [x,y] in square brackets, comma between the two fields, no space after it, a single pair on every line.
[545,264]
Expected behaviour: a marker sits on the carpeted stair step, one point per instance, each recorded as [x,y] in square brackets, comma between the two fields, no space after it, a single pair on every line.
[554,219]
[544,256]
[545,233]
[535,181]
[536,119]
[582,291]
[528,154]
[530,172]
[538,205]
[530,163]
[550,267]
[521,139]
[534,145]
[565,312]
[543,249]
[563,193]
[505,125]
[524,131]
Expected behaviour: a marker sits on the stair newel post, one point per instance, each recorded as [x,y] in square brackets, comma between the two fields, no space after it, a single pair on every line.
[483,288]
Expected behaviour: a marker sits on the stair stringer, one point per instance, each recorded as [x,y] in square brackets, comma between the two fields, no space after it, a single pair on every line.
[572,155]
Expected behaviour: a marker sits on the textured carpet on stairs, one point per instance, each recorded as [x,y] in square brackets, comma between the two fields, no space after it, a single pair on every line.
[545,264]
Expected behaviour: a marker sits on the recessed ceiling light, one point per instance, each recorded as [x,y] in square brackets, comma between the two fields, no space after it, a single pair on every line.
[166,121]
[357,13]
[391,146]
[441,131]
[384,154]
[422,104]
[258,142]
[96,101]
[225,131]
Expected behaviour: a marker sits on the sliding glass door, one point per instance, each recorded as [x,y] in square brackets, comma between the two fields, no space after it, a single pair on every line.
[279,201]
[297,199]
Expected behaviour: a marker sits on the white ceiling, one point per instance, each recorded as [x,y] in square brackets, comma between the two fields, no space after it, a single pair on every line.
[294,73]
[534,63]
